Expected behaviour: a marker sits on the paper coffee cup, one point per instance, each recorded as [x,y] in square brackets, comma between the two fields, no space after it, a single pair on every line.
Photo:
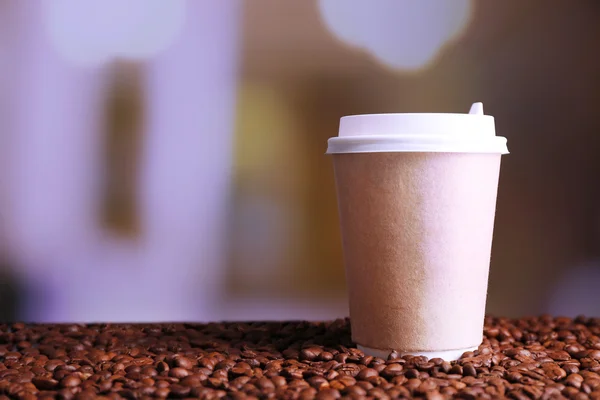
[417,198]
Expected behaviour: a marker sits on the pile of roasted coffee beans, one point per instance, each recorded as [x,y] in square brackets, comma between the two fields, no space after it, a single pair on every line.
[530,358]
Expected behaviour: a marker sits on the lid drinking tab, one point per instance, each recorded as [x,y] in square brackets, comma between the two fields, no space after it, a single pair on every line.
[476,109]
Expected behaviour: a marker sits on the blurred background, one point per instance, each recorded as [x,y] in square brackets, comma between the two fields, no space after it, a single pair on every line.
[165,160]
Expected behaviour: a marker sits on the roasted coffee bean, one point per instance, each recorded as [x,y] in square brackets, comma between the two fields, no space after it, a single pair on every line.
[70,381]
[328,394]
[161,392]
[348,369]
[310,354]
[355,391]
[162,384]
[105,386]
[553,371]
[65,394]
[366,360]
[179,391]
[366,373]
[133,369]
[183,362]
[368,385]
[559,355]
[265,385]
[571,367]
[336,385]
[45,383]
[86,395]
[456,369]
[412,373]
[379,367]
[391,370]
[179,372]
[318,382]
[574,380]
[162,366]
[225,364]
[346,380]
[469,370]
[341,357]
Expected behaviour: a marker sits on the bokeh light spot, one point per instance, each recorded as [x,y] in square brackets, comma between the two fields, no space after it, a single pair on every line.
[403,34]
[92,32]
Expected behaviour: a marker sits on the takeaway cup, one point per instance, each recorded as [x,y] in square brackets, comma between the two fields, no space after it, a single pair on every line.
[417,198]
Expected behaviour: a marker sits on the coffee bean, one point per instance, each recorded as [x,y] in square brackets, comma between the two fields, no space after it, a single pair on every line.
[70,381]
[392,370]
[570,368]
[366,373]
[235,371]
[145,390]
[570,392]
[207,362]
[161,392]
[355,391]
[368,385]
[310,354]
[318,382]
[456,369]
[149,371]
[178,372]
[307,394]
[332,375]
[179,391]
[85,395]
[133,369]
[104,386]
[434,395]
[378,393]
[413,384]
[278,381]
[426,386]
[225,364]
[328,394]
[365,360]
[183,362]
[65,394]
[45,383]
[162,366]
[574,380]
[553,371]
[379,367]
[336,384]
[411,373]
[348,369]
[162,384]
[469,370]
[346,380]
[592,383]
[341,358]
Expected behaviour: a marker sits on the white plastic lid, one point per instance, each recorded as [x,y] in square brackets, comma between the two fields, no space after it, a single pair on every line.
[443,133]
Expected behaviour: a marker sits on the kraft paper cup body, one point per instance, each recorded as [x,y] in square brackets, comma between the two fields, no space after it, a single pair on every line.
[417,232]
